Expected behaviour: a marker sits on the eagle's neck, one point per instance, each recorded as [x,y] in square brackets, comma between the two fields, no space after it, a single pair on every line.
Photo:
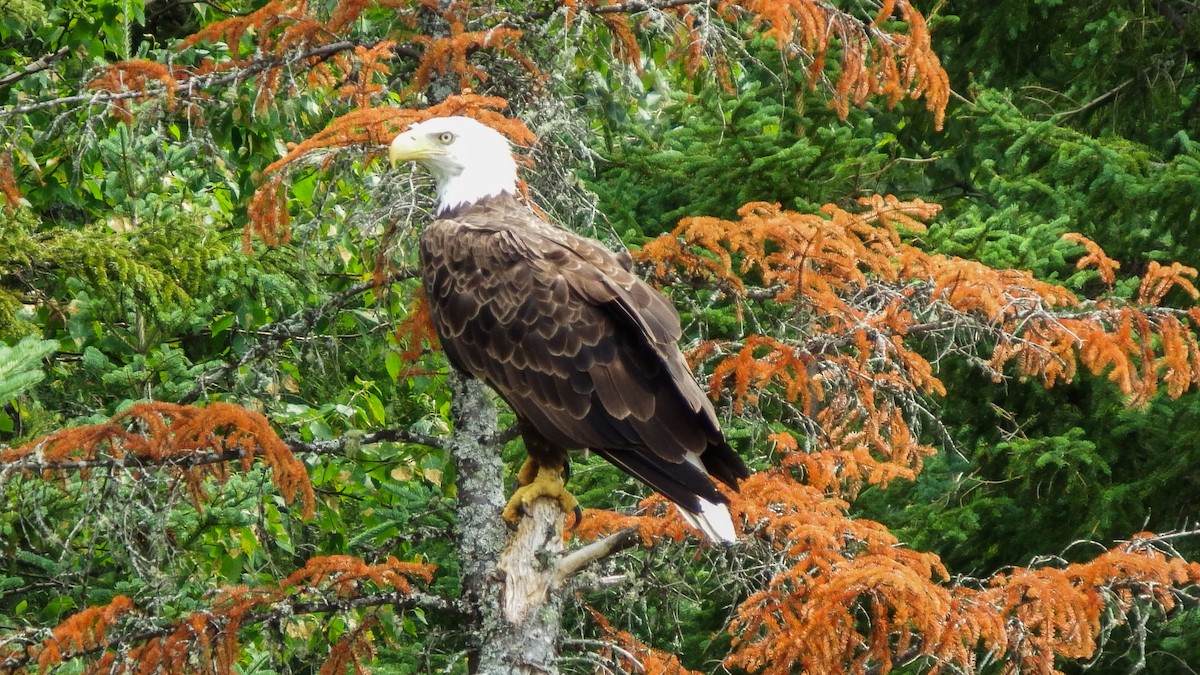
[460,187]
[505,201]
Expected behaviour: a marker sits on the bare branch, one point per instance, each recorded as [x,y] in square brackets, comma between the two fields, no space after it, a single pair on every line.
[629,7]
[37,66]
[1092,103]
[338,446]
[188,88]
[633,6]
[597,550]
[31,463]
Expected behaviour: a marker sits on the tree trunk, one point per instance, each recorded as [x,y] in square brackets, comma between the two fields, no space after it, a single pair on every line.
[526,636]
[511,590]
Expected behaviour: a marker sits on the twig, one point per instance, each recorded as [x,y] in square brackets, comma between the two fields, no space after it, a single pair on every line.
[36,67]
[1094,102]
[502,437]
[275,334]
[186,86]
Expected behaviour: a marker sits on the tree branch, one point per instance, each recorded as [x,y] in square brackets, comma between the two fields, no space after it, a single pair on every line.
[339,446]
[36,67]
[602,548]
[633,6]
[186,87]
[275,334]
[1059,116]
[290,606]
[481,534]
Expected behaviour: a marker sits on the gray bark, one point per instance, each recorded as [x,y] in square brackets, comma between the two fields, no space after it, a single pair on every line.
[480,490]
[513,589]
[515,617]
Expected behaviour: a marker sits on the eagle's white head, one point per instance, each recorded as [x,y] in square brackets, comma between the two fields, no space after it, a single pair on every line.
[469,160]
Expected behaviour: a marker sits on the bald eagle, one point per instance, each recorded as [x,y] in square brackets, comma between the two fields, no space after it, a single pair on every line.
[583,350]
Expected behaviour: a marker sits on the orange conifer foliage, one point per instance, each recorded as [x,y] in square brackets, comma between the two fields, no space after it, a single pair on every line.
[8,182]
[343,574]
[282,26]
[850,597]
[808,617]
[351,651]
[272,16]
[890,55]
[1105,266]
[415,331]
[206,640]
[839,571]
[283,32]
[656,522]
[860,295]
[81,632]
[195,443]
[211,634]
[448,55]
[358,73]
[136,75]
[364,84]
[631,655]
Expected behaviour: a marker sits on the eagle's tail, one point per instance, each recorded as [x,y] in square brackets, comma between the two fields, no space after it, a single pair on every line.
[713,520]
[687,485]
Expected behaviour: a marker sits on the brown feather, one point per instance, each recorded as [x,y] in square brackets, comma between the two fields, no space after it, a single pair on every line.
[582,349]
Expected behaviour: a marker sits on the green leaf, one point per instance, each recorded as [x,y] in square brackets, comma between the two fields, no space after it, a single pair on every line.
[221,324]
[20,365]
[393,363]
[247,542]
[375,407]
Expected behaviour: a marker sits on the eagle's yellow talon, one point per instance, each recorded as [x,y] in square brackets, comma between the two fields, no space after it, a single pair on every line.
[537,481]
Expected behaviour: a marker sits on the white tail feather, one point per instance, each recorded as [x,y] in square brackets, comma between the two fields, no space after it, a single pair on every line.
[713,520]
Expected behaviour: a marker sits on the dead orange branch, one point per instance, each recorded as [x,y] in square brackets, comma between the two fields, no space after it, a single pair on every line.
[172,437]
[207,639]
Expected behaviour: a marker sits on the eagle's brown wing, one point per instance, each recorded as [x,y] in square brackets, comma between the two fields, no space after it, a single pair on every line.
[582,349]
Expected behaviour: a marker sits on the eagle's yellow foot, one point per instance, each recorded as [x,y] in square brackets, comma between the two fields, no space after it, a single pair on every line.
[537,481]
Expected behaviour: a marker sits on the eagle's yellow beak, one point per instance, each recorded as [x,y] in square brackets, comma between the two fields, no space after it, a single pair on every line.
[409,146]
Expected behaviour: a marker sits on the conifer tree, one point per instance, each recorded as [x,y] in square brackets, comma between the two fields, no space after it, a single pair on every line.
[262,393]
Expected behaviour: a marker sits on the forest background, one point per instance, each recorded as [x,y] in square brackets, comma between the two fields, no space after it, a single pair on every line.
[195,213]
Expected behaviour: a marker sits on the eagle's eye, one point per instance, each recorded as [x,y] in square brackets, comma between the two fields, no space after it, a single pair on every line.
[445,138]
